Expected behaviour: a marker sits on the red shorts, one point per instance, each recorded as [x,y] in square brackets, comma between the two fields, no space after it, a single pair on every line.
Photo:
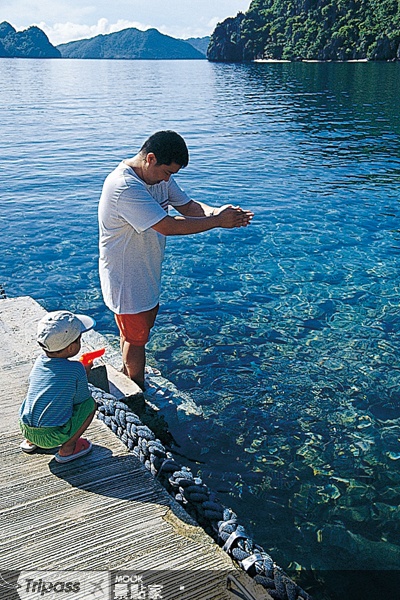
[135,329]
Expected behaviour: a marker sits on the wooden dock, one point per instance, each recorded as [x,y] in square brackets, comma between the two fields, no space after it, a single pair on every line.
[103,517]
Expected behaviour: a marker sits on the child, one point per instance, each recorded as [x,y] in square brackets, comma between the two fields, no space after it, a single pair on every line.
[58,407]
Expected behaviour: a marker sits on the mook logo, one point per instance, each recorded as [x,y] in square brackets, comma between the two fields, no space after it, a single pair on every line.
[62,585]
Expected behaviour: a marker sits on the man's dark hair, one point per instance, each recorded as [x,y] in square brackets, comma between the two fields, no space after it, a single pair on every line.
[168,147]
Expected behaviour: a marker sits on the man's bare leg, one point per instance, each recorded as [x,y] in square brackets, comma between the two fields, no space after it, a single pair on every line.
[121,345]
[134,359]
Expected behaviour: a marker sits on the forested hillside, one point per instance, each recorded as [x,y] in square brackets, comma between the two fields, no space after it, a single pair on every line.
[30,43]
[131,44]
[310,30]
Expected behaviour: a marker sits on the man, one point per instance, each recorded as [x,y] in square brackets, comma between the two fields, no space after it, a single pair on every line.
[134,222]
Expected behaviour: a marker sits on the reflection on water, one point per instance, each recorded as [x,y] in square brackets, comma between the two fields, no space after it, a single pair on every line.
[286,334]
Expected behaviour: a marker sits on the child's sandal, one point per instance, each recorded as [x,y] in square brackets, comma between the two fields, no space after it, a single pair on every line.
[27,447]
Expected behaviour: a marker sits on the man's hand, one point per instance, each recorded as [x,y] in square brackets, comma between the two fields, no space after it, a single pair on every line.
[233,216]
[187,223]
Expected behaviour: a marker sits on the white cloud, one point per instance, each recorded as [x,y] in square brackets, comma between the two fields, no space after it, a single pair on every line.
[22,13]
[200,30]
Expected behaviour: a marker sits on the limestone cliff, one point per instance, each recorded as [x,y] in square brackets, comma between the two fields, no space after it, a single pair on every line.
[310,30]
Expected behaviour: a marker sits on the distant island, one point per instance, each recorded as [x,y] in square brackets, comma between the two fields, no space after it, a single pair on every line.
[30,43]
[129,43]
[325,30]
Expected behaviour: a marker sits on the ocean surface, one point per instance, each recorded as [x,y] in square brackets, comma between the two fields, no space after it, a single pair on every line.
[285,333]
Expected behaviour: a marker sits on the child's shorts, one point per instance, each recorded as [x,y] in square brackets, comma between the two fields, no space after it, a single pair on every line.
[51,437]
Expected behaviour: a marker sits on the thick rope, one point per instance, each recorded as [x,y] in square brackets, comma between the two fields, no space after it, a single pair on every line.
[202,504]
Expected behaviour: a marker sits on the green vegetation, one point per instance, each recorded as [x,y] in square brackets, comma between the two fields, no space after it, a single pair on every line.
[311,30]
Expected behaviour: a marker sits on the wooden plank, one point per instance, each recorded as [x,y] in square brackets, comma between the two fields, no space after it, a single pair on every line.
[103,512]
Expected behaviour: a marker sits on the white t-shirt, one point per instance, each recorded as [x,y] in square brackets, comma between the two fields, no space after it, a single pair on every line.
[131,252]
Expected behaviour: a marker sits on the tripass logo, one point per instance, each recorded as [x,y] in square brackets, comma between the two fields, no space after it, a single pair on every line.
[44,587]
[54,585]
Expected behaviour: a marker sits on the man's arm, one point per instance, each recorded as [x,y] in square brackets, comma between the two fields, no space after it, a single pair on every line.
[186,224]
[196,209]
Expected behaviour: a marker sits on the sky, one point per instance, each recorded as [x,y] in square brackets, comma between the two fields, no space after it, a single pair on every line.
[67,20]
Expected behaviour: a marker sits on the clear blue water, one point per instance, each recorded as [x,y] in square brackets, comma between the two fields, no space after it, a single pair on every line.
[287,332]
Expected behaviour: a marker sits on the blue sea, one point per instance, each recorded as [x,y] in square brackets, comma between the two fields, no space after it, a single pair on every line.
[285,333]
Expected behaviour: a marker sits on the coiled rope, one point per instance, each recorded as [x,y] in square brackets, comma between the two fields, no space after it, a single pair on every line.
[219,522]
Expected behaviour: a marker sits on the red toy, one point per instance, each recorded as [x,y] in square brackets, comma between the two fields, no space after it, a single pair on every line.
[88,357]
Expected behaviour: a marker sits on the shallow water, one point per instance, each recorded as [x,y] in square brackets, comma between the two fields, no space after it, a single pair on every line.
[285,333]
